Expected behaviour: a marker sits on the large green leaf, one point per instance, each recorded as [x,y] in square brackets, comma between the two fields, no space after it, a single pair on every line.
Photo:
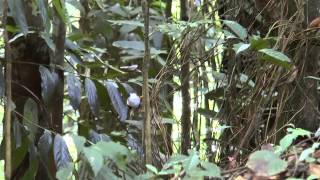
[240,47]
[17,11]
[276,57]
[239,30]
[266,163]
[30,114]
[95,158]
[59,6]
[286,141]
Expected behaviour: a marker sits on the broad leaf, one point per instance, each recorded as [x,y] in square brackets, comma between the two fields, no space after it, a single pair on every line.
[276,57]
[18,13]
[30,114]
[286,141]
[59,6]
[240,47]
[106,174]
[91,92]
[44,145]
[96,137]
[212,170]
[49,82]
[60,153]
[266,163]
[95,158]
[239,30]
[65,172]
[74,90]
[305,153]
[116,100]
[192,161]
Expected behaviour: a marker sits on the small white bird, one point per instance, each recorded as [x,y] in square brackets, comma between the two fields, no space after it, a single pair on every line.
[133,100]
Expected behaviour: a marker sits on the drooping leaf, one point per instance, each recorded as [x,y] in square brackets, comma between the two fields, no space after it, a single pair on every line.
[17,11]
[91,92]
[65,172]
[30,114]
[240,47]
[192,160]
[95,158]
[49,82]
[152,168]
[266,163]
[61,154]
[33,164]
[276,57]
[239,30]
[44,15]
[116,100]
[44,145]
[74,90]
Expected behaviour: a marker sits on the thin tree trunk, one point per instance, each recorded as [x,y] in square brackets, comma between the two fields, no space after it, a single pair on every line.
[185,86]
[7,125]
[145,88]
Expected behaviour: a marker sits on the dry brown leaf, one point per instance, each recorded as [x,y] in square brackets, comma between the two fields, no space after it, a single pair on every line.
[314,169]
[315,23]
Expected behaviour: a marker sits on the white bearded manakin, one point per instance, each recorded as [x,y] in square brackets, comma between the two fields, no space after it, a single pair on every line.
[133,100]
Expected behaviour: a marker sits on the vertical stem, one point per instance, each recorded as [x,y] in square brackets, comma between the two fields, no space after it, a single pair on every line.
[7,135]
[145,89]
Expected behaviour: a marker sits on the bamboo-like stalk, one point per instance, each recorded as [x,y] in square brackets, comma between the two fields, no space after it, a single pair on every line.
[145,89]
[8,110]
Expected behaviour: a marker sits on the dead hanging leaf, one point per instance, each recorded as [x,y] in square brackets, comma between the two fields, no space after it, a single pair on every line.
[266,163]
[314,169]
[315,23]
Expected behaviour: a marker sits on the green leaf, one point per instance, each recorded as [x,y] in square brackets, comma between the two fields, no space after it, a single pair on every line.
[49,80]
[192,161]
[212,170]
[305,153]
[239,30]
[18,13]
[106,174]
[276,57]
[95,158]
[240,47]
[152,168]
[30,114]
[286,141]
[65,173]
[258,43]
[266,163]
[58,5]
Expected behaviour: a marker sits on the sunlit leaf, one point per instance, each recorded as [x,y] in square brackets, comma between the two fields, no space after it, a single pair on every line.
[61,154]
[30,114]
[266,163]
[240,47]
[95,158]
[239,30]
[305,153]
[276,57]
[59,6]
